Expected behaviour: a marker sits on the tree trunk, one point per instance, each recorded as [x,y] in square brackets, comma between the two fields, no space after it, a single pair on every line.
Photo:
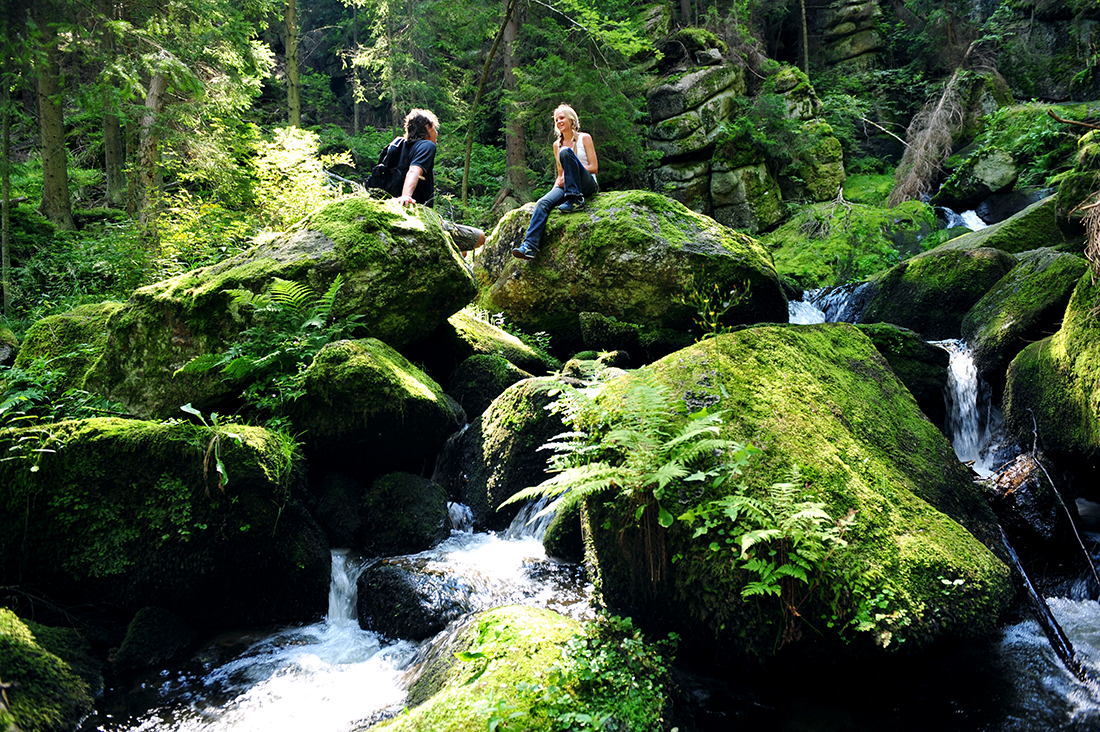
[508,10]
[51,123]
[148,191]
[685,12]
[805,41]
[114,160]
[293,79]
[515,144]
[5,196]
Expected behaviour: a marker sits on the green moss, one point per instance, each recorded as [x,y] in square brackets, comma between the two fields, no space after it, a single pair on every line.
[1058,381]
[72,341]
[45,694]
[870,189]
[829,244]
[820,398]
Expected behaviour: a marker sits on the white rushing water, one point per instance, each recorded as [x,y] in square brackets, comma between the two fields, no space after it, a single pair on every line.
[975,423]
[801,312]
[969,219]
[334,676]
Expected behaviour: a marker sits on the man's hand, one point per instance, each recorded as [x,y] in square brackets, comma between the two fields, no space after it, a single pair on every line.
[406,200]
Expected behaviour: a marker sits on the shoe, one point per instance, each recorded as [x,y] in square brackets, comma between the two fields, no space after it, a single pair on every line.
[525,251]
[574,204]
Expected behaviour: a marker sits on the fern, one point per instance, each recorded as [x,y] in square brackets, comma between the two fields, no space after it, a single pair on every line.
[292,324]
[632,449]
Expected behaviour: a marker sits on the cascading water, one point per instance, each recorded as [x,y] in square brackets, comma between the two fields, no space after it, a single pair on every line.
[334,676]
[968,219]
[975,423]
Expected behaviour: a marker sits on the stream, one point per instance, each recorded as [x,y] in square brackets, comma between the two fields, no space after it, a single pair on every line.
[333,676]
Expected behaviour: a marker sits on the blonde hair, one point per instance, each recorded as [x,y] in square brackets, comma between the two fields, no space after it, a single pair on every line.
[571,115]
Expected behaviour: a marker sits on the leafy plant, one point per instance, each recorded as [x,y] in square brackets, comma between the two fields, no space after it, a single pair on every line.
[711,306]
[632,449]
[783,537]
[292,325]
[213,448]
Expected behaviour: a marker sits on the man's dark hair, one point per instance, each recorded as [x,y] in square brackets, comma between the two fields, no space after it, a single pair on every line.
[417,122]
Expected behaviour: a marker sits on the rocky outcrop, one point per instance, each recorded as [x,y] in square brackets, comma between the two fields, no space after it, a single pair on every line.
[401,276]
[128,514]
[633,255]
[1053,386]
[366,410]
[992,171]
[73,342]
[498,453]
[1026,305]
[850,32]
[932,292]
[1050,54]
[819,399]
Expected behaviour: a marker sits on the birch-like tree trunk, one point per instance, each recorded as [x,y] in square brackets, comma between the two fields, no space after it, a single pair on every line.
[293,77]
[148,189]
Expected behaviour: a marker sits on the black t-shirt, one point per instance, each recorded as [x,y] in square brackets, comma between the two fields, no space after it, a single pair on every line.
[422,154]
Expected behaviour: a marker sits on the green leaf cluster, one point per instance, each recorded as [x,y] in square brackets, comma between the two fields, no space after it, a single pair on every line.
[291,325]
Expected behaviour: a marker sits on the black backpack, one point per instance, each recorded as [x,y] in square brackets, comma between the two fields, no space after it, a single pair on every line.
[393,164]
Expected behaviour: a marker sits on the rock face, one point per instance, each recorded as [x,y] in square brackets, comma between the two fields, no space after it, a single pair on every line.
[73,341]
[850,32]
[631,255]
[1025,306]
[121,513]
[367,411]
[1047,55]
[1053,385]
[821,399]
[931,293]
[721,173]
[401,275]
[498,453]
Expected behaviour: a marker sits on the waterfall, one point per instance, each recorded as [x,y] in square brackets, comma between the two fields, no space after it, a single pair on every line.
[342,592]
[969,219]
[974,422]
[801,312]
[526,526]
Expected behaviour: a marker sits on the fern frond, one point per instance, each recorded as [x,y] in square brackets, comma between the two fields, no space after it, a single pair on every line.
[289,295]
[582,480]
[752,538]
[322,309]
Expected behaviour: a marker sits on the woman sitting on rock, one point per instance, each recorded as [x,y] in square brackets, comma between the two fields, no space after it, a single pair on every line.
[577,165]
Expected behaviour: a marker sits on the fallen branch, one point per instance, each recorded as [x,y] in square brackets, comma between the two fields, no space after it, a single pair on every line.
[1071,121]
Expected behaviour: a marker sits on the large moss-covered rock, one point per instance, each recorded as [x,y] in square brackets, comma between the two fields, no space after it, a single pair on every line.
[480,379]
[513,662]
[73,342]
[821,399]
[679,94]
[42,691]
[126,513]
[467,334]
[498,454]
[367,410]
[992,171]
[1033,228]
[403,514]
[634,255]
[401,276]
[818,175]
[919,365]
[1054,385]
[1025,306]
[745,197]
[155,635]
[1079,185]
[834,243]
[932,292]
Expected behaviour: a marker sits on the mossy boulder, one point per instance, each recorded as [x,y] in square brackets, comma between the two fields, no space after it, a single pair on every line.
[601,333]
[1033,228]
[932,292]
[73,342]
[818,175]
[1079,185]
[127,513]
[366,410]
[535,666]
[45,694]
[633,255]
[9,346]
[402,514]
[920,366]
[982,175]
[1025,306]
[480,379]
[155,636]
[822,400]
[1054,385]
[834,243]
[467,334]
[498,454]
[401,276]
[745,197]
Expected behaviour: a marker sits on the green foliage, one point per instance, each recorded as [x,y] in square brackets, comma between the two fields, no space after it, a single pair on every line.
[539,342]
[711,305]
[1041,146]
[196,231]
[631,449]
[610,677]
[32,398]
[292,325]
[759,127]
[292,181]
[785,538]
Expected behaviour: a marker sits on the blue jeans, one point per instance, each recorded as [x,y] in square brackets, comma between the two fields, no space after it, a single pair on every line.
[578,182]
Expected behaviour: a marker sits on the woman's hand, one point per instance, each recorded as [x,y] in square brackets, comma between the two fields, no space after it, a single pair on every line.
[406,200]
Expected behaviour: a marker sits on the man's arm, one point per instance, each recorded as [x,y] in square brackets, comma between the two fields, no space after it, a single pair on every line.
[411,179]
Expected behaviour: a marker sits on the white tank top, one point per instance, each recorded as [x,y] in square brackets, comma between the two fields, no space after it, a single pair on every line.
[578,148]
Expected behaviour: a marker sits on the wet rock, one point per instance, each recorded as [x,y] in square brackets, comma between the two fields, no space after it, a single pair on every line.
[403,514]
[399,602]
[154,637]
[481,379]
